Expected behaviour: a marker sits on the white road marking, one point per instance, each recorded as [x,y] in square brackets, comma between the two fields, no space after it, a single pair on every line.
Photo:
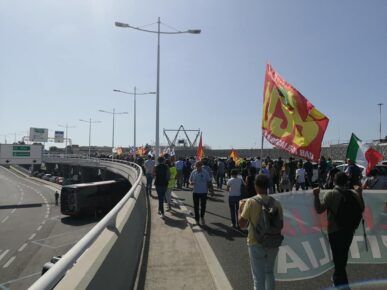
[43,222]
[22,247]
[219,277]
[32,236]
[9,262]
[13,210]
[3,221]
[18,279]
[4,254]
[39,228]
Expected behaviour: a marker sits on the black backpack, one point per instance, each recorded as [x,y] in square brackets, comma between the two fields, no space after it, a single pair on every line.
[349,212]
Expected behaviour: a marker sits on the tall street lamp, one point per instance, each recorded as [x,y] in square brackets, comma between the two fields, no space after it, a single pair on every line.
[90,122]
[113,113]
[135,93]
[67,129]
[192,31]
[380,120]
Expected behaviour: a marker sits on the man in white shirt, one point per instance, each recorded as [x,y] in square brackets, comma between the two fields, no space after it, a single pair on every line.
[300,177]
[234,185]
[149,166]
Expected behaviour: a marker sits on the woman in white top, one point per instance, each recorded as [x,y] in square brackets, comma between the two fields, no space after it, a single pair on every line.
[234,185]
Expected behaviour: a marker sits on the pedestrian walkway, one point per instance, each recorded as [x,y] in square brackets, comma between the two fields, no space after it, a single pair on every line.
[175,260]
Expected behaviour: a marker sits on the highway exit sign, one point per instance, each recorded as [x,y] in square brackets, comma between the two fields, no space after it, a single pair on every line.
[20,154]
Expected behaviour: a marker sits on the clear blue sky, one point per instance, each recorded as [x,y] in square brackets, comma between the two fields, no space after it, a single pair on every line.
[60,61]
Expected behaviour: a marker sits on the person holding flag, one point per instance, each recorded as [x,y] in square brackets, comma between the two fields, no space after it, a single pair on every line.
[360,153]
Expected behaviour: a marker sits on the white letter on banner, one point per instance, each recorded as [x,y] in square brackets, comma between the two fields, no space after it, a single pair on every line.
[296,261]
[310,253]
[325,259]
[374,245]
[355,254]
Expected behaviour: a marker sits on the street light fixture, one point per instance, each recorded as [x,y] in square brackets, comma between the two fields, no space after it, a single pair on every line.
[67,129]
[90,122]
[113,113]
[380,120]
[135,93]
[158,32]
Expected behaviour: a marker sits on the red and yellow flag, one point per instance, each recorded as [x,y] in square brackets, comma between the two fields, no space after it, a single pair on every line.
[289,121]
[200,151]
[234,155]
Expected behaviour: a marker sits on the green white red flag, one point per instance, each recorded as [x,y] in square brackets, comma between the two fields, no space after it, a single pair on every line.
[363,154]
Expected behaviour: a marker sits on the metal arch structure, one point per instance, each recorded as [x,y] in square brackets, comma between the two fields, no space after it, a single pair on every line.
[181,129]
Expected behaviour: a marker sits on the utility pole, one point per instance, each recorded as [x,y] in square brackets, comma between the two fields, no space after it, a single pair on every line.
[380,120]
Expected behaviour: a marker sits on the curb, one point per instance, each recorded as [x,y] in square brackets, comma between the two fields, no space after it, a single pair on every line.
[219,277]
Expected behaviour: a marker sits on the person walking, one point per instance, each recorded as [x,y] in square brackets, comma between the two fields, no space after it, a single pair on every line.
[56,198]
[179,172]
[199,179]
[161,174]
[344,211]
[149,165]
[262,250]
[300,177]
[220,174]
[171,182]
[234,185]
[249,182]
[187,172]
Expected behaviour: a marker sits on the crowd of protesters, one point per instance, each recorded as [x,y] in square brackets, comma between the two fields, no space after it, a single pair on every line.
[249,184]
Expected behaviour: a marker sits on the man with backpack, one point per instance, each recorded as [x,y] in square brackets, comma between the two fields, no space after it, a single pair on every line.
[264,217]
[344,212]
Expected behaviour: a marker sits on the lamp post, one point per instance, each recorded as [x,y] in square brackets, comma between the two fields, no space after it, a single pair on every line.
[90,122]
[158,32]
[67,129]
[113,113]
[135,93]
[380,120]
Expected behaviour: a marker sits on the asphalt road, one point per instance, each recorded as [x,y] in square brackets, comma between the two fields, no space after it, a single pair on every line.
[32,230]
[229,246]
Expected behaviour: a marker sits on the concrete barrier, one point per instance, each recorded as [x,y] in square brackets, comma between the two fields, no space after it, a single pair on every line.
[110,260]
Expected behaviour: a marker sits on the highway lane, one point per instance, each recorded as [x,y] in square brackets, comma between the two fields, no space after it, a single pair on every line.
[229,246]
[32,230]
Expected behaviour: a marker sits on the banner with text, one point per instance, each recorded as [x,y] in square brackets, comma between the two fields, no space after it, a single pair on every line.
[305,252]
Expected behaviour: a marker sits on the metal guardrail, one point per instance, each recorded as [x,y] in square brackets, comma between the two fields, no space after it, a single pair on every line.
[58,271]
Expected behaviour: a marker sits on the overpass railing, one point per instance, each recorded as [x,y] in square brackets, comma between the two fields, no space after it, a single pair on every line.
[58,271]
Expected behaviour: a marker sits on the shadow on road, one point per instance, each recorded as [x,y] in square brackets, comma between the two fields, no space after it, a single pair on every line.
[178,221]
[224,231]
[27,205]
[79,221]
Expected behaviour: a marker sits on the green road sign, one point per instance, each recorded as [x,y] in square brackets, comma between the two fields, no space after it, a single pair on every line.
[21,154]
[21,148]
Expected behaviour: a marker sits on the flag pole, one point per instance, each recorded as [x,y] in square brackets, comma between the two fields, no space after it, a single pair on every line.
[262,147]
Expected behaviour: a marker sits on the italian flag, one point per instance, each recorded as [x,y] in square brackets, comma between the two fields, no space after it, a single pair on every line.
[363,154]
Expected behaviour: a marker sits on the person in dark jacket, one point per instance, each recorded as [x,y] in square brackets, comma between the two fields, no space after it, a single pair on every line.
[161,174]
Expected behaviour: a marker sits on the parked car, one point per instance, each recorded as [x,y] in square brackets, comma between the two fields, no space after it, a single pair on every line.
[40,175]
[46,176]
[59,180]
[52,178]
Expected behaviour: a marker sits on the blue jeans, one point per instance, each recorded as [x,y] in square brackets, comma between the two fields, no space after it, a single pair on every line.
[262,266]
[233,202]
[149,179]
[161,195]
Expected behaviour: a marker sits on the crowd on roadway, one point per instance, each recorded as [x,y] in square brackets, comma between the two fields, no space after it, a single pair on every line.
[250,184]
